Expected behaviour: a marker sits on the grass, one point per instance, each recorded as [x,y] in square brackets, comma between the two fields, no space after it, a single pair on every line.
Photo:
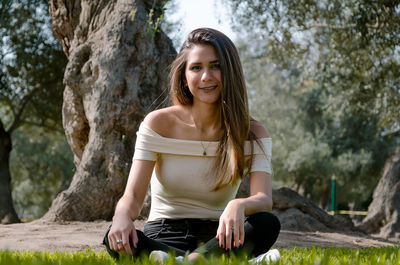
[301,256]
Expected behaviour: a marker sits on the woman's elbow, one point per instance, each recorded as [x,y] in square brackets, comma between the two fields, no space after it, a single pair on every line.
[268,203]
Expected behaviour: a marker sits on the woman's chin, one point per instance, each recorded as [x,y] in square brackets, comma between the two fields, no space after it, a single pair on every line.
[209,100]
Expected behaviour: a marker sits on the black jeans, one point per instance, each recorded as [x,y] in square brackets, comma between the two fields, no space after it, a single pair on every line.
[196,235]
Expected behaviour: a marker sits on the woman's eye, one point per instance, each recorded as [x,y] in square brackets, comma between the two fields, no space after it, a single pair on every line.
[216,66]
[195,68]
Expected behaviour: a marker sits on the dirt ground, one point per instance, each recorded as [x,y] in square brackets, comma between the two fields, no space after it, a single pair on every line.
[79,236]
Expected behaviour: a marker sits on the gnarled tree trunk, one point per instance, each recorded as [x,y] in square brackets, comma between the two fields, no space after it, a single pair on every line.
[7,211]
[117,69]
[384,211]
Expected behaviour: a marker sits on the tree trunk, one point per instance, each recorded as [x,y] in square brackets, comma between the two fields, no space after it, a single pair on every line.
[325,198]
[384,211]
[7,211]
[117,68]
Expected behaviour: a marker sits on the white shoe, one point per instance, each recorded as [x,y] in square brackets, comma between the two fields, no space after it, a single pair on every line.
[272,255]
[162,257]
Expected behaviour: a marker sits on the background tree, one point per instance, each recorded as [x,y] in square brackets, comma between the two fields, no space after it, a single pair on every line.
[172,26]
[117,68]
[347,91]
[31,72]
[310,146]
[349,48]
[41,166]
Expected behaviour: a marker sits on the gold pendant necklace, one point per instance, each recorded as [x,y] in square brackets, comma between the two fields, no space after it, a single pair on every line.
[204,148]
[201,140]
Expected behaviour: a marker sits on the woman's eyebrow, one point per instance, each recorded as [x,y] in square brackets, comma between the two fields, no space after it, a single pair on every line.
[214,61]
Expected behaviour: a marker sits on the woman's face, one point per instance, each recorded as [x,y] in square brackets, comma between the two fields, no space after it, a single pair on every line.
[203,74]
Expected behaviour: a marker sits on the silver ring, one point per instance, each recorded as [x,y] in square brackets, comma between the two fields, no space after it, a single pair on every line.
[119,241]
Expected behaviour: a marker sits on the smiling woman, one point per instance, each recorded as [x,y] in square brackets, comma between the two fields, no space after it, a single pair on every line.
[195,154]
[203,74]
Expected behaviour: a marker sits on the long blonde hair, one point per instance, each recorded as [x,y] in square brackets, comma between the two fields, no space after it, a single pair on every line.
[230,162]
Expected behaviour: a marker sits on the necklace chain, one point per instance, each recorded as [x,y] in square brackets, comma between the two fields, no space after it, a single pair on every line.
[204,148]
[201,141]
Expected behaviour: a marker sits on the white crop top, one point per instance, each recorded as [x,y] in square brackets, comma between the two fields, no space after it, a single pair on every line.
[180,185]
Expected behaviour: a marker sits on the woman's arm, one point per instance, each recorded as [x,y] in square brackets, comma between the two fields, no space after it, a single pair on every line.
[138,183]
[232,219]
[129,206]
[260,200]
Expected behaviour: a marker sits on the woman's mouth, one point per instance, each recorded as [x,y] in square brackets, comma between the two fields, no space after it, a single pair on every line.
[209,88]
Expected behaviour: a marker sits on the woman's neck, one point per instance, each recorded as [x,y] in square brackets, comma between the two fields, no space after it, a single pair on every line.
[206,118]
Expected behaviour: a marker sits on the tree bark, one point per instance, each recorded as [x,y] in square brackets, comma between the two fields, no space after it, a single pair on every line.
[7,211]
[117,69]
[384,211]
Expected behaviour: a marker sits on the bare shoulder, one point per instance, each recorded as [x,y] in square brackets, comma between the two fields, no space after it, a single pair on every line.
[162,120]
[258,129]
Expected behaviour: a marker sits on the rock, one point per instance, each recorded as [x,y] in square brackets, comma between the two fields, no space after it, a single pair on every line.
[293,219]
[384,210]
[298,213]
[117,69]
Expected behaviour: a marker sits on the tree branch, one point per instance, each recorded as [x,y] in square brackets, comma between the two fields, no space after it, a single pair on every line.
[394,132]
[339,27]
[17,118]
[8,103]
[43,125]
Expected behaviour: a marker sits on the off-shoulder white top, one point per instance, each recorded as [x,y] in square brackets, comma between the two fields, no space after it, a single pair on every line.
[181,185]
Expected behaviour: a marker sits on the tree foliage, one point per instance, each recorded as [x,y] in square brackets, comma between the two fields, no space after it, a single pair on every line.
[32,66]
[41,166]
[31,94]
[172,27]
[323,77]
[351,48]
[310,144]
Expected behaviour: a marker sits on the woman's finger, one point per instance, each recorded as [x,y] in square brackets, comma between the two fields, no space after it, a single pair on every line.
[228,236]
[126,246]
[220,234]
[134,238]
[236,235]
[113,242]
[241,229]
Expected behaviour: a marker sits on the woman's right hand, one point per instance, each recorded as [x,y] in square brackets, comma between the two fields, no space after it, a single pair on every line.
[128,207]
[122,228]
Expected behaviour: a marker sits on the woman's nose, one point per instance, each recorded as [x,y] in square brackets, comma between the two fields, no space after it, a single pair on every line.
[206,75]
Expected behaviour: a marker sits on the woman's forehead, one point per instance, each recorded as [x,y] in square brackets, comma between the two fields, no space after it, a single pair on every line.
[202,53]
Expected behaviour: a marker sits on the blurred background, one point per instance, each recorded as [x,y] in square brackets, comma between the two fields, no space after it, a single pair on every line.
[322,76]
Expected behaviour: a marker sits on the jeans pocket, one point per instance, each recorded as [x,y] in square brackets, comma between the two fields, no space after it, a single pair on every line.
[153,229]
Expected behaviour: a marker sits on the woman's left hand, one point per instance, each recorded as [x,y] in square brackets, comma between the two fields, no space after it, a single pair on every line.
[231,223]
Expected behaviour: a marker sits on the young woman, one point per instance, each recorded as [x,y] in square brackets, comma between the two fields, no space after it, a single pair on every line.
[195,154]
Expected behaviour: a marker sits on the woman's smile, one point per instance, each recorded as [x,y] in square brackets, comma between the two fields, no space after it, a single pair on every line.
[209,88]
